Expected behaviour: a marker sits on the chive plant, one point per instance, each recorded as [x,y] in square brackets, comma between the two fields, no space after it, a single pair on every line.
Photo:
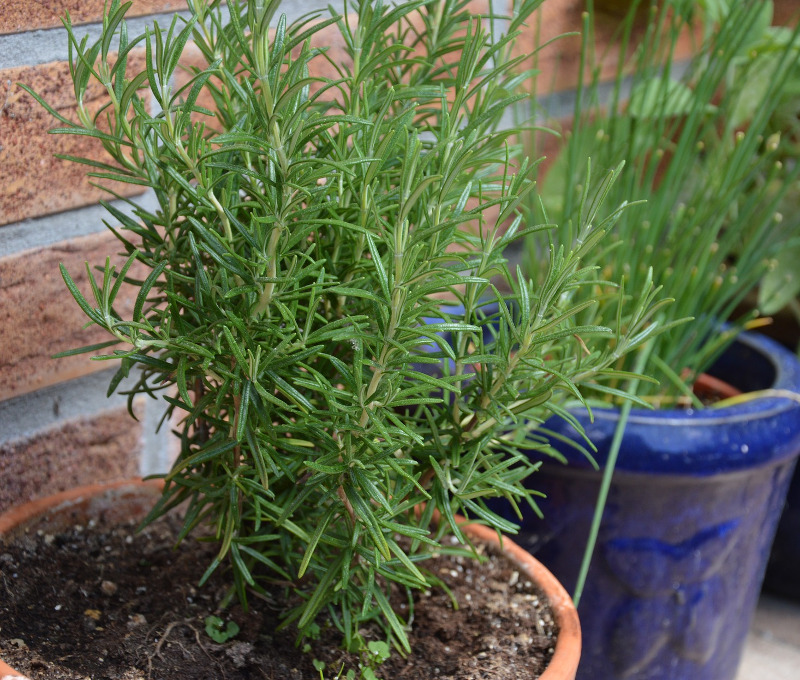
[779,289]
[290,313]
[705,170]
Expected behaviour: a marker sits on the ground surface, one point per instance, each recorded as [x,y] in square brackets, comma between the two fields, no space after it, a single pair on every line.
[109,604]
[772,651]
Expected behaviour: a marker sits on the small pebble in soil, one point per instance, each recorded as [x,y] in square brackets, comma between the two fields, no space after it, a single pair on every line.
[108,587]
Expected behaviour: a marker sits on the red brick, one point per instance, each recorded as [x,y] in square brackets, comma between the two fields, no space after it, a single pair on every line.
[104,448]
[319,67]
[787,12]
[38,317]
[329,37]
[558,61]
[35,183]
[27,15]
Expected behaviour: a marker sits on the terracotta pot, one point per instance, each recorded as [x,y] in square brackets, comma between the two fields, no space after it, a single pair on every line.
[132,499]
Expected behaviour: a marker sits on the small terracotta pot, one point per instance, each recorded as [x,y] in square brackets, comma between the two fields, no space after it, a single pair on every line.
[132,499]
[708,387]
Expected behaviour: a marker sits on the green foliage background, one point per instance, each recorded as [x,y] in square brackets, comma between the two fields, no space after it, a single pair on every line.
[707,170]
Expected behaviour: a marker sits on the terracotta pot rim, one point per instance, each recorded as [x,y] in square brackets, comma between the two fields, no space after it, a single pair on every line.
[22,514]
[563,665]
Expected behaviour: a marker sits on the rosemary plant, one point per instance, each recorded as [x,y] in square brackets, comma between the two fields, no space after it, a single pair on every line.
[705,171]
[291,316]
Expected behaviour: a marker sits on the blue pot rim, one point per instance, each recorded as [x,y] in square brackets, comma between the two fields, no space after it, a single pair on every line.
[787,377]
[763,430]
[702,442]
[785,364]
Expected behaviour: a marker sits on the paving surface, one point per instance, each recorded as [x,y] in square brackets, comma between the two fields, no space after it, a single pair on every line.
[772,651]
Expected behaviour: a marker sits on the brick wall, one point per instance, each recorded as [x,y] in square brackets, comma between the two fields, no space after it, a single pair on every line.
[57,427]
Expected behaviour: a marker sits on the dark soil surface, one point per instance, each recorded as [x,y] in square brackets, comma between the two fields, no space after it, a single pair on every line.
[110,604]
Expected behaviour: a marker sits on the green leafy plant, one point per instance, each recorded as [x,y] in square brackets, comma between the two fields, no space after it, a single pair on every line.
[779,289]
[705,168]
[295,310]
[377,651]
[219,631]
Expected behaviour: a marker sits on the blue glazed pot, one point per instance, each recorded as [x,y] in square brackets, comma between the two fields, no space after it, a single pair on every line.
[687,529]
